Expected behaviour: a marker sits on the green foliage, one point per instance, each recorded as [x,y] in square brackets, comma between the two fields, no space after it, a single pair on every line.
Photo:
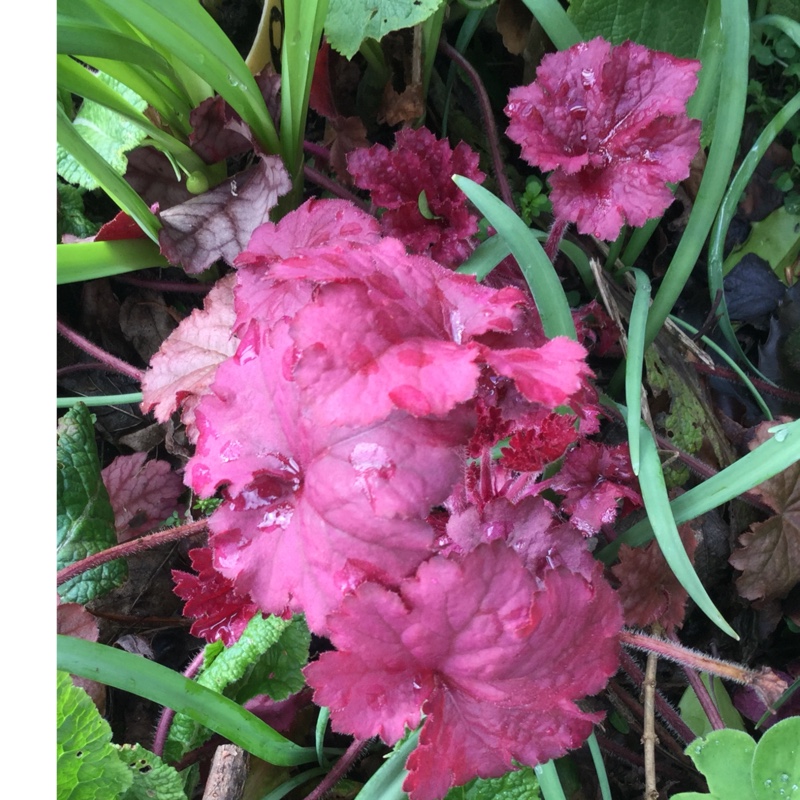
[152,778]
[85,516]
[534,201]
[72,217]
[350,22]
[267,658]
[673,27]
[774,239]
[108,132]
[694,716]
[88,765]
[519,785]
[737,768]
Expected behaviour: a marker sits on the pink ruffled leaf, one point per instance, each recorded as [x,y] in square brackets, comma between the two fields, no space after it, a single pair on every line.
[183,369]
[611,122]
[478,646]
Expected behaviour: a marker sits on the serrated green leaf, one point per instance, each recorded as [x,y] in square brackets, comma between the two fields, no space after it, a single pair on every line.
[152,778]
[519,785]
[349,22]
[71,215]
[673,27]
[221,670]
[108,132]
[88,765]
[85,516]
[278,673]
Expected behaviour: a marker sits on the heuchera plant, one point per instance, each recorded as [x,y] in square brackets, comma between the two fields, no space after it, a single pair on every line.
[611,123]
[361,379]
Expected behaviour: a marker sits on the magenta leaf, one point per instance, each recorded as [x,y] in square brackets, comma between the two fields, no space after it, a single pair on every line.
[478,647]
[219,223]
[611,122]
[419,163]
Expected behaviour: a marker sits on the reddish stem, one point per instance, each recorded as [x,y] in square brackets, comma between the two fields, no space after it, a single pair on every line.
[168,714]
[97,352]
[130,548]
[164,286]
[718,371]
[317,151]
[557,231]
[704,698]
[315,176]
[488,120]
[339,769]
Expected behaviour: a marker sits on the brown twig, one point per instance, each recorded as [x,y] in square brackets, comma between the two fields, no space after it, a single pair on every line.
[649,738]
[130,548]
[97,352]
[488,120]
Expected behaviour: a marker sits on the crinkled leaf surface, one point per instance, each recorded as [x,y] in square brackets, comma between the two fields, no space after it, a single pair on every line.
[85,515]
[218,223]
[611,122]
[479,647]
[769,555]
[152,778]
[183,369]
[675,28]
[142,493]
[521,784]
[349,22]
[88,765]
[108,132]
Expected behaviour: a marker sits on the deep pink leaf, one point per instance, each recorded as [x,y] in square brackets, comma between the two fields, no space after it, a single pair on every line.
[611,122]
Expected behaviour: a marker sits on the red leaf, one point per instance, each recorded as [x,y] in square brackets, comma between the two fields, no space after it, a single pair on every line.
[611,122]
[420,162]
[480,648]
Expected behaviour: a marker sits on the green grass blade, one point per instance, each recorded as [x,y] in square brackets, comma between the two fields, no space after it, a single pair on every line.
[387,782]
[557,25]
[81,81]
[634,364]
[117,188]
[319,735]
[710,53]
[727,212]
[86,261]
[599,767]
[185,30]
[790,27]
[302,34]
[298,780]
[638,241]
[768,459]
[549,782]
[154,682]
[100,400]
[727,130]
[660,515]
[748,384]
[540,274]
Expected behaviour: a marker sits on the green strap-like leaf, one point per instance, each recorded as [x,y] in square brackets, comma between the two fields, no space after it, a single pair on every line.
[634,363]
[539,272]
[136,674]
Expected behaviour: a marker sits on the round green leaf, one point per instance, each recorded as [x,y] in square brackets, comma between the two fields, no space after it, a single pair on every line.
[776,763]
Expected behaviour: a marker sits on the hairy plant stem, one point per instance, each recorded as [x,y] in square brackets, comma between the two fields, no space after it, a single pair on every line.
[339,769]
[767,684]
[101,355]
[554,237]
[718,371]
[130,548]
[704,698]
[315,176]
[488,120]
[168,714]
